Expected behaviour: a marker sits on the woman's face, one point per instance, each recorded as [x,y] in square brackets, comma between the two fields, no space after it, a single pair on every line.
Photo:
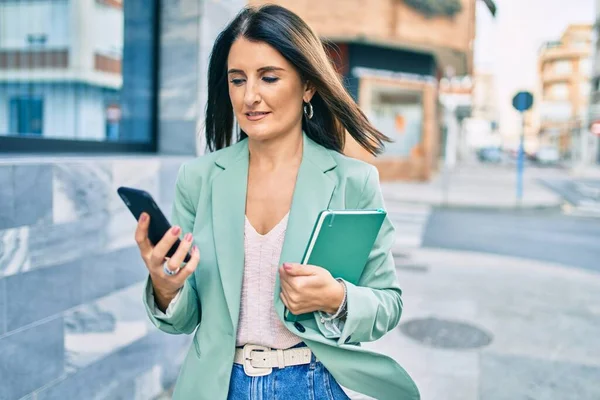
[266,91]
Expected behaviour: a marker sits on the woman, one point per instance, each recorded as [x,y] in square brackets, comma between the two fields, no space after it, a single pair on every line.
[250,208]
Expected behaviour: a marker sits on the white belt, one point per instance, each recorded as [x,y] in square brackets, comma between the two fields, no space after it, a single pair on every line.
[260,360]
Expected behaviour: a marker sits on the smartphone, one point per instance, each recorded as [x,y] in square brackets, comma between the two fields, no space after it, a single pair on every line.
[139,201]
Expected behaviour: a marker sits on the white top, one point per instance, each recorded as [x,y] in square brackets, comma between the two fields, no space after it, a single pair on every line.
[258,322]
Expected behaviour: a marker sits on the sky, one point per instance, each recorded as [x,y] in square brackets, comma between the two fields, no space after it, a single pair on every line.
[507,45]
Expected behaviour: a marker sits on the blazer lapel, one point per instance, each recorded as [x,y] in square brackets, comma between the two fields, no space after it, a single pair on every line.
[228,214]
[312,194]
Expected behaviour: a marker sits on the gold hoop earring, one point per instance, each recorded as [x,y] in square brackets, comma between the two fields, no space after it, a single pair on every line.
[308,110]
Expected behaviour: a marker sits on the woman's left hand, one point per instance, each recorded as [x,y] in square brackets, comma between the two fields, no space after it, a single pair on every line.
[308,288]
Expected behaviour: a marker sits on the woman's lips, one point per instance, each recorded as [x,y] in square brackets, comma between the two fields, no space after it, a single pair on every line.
[256,115]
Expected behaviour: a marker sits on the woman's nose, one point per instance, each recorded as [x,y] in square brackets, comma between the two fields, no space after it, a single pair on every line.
[252,95]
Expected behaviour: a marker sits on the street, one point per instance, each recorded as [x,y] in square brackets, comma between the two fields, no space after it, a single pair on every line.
[500,302]
[539,235]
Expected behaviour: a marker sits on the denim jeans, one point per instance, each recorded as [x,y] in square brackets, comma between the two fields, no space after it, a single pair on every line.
[298,382]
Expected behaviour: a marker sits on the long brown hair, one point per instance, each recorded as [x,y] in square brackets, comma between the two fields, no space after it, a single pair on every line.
[335,112]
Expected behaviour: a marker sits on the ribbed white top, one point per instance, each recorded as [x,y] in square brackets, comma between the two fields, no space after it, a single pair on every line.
[258,323]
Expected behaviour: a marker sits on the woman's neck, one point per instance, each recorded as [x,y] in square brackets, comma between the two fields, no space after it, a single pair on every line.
[281,152]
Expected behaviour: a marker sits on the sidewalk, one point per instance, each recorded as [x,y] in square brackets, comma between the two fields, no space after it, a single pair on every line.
[588,172]
[478,186]
[493,327]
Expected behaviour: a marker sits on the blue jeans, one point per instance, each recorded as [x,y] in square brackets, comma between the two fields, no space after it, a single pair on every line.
[298,382]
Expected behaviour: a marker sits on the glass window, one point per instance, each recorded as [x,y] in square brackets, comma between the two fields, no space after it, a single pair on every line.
[585,89]
[398,113]
[26,115]
[585,67]
[78,70]
[559,91]
[562,67]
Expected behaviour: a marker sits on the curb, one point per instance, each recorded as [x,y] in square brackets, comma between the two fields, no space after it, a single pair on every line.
[481,207]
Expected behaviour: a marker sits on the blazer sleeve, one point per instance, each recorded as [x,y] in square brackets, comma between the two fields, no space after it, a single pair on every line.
[186,313]
[374,305]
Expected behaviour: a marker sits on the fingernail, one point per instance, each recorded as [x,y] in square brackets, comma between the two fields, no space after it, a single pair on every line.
[144,217]
[175,230]
[188,237]
[287,266]
[195,249]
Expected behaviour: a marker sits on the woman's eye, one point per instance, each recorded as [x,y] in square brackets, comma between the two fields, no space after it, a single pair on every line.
[270,79]
[237,82]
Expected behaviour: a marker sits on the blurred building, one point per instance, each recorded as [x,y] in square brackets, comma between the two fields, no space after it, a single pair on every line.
[485,106]
[594,113]
[565,69]
[456,99]
[392,55]
[481,128]
[71,66]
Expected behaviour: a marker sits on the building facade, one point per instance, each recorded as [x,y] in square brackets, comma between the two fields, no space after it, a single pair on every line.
[594,112]
[392,55]
[565,70]
[72,67]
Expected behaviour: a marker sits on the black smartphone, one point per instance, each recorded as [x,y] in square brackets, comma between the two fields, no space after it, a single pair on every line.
[139,201]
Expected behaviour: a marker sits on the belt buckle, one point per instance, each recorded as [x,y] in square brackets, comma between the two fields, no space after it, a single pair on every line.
[249,369]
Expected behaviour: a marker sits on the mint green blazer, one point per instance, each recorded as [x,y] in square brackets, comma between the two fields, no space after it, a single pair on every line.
[210,201]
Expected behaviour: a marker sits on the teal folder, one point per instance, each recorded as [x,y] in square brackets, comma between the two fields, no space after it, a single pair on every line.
[341,242]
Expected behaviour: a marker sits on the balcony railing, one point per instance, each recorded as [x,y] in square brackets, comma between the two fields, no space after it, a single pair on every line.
[34,59]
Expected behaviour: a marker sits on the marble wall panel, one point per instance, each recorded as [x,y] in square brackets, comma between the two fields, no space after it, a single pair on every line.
[81,189]
[3,300]
[31,358]
[7,197]
[14,251]
[57,244]
[42,293]
[33,194]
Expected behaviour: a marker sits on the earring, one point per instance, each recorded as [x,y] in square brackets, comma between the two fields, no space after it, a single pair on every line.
[308,110]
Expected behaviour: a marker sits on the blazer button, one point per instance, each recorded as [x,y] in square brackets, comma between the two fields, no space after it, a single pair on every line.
[347,339]
[299,326]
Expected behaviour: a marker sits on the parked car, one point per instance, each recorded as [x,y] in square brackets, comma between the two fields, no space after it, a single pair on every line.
[547,155]
[490,154]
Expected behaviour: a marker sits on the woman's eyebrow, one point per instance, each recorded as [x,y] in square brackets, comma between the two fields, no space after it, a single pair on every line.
[261,69]
[270,68]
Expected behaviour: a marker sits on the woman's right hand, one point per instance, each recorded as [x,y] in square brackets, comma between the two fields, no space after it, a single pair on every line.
[165,286]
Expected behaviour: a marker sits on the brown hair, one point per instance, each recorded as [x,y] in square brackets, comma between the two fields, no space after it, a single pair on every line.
[335,111]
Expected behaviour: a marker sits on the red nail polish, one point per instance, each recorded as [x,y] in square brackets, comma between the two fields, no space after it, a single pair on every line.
[188,237]
[175,230]
[144,217]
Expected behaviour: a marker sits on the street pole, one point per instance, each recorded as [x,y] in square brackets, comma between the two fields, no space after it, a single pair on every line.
[520,162]
[521,102]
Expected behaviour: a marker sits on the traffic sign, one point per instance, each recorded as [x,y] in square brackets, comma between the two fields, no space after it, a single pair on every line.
[595,128]
[522,101]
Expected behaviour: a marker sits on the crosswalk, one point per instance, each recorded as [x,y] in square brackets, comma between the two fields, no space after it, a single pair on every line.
[410,221]
[581,197]
[584,208]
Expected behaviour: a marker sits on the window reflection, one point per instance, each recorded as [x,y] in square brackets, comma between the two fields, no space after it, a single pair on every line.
[65,67]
